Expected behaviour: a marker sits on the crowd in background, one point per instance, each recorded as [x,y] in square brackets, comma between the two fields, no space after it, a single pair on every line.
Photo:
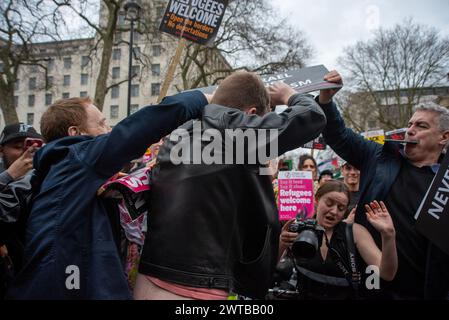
[70,229]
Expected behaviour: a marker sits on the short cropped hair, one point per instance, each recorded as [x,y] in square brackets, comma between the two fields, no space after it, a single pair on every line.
[443,113]
[241,90]
[63,114]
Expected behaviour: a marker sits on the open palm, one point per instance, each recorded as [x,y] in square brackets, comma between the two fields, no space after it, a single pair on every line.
[379,217]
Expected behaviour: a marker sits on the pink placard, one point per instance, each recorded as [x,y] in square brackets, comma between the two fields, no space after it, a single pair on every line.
[295,194]
[136,181]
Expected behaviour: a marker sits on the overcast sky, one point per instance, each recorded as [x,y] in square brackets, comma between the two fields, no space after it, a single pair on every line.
[332,25]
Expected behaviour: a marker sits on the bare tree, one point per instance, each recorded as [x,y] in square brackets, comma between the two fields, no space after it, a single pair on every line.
[107,34]
[104,30]
[358,109]
[23,23]
[251,37]
[394,67]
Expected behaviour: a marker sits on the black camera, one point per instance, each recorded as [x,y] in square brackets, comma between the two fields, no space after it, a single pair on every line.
[310,237]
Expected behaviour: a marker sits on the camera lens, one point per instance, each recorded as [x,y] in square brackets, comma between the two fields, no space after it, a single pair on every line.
[305,245]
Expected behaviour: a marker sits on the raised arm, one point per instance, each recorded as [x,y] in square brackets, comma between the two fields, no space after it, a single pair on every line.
[15,187]
[130,138]
[387,259]
[302,122]
[346,143]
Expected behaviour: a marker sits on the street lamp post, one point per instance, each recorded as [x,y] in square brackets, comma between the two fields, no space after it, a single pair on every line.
[132,9]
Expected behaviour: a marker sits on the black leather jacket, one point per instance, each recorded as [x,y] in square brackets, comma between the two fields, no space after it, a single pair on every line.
[216,226]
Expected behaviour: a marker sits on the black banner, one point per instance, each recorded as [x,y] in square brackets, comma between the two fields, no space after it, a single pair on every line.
[302,80]
[433,214]
[194,20]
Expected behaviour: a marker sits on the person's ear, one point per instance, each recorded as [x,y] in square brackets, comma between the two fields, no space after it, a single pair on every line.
[73,131]
[445,138]
[251,110]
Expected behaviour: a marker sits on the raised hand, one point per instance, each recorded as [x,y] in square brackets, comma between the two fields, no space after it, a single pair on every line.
[327,94]
[380,218]
[23,164]
[351,216]
[280,93]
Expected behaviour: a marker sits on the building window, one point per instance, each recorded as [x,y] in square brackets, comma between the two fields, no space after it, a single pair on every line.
[30,119]
[134,90]
[156,69]
[121,19]
[33,68]
[115,92]
[440,91]
[31,100]
[49,82]
[67,63]
[16,84]
[372,124]
[16,101]
[84,61]
[117,36]
[133,108]
[116,54]
[66,81]
[159,12]
[32,84]
[135,71]
[136,52]
[50,64]
[157,50]
[116,73]
[155,89]
[83,94]
[136,36]
[65,95]
[114,112]
[48,99]
[84,79]
[429,91]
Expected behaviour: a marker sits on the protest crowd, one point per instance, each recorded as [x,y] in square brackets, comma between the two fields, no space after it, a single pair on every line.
[181,201]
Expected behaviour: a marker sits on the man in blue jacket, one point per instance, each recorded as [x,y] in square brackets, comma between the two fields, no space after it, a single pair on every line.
[70,251]
[399,176]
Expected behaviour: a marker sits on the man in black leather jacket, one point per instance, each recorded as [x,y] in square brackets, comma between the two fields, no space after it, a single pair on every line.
[213,226]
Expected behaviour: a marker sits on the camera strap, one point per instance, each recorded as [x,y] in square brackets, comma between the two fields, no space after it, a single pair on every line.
[351,273]
[355,274]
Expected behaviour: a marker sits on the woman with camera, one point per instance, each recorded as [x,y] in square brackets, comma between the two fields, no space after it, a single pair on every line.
[326,252]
